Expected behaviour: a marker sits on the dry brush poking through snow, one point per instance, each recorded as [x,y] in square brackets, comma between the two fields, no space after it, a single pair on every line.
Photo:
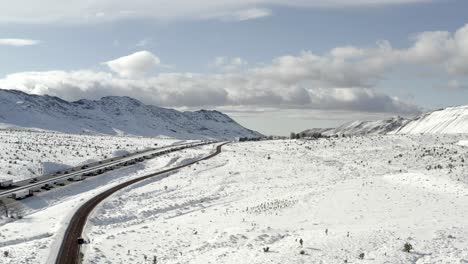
[345,199]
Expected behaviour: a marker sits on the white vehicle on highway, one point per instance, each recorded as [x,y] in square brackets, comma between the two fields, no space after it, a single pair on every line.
[21,194]
[6,183]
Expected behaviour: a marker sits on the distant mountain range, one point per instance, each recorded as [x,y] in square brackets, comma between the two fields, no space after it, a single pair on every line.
[362,127]
[451,120]
[114,115]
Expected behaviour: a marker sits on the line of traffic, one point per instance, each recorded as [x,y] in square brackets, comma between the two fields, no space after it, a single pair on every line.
[33,186]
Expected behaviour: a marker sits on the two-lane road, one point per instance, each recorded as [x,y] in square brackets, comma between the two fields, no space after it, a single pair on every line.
[69,252]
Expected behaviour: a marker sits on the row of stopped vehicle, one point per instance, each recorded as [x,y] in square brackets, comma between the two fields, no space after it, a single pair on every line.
[21,194]
[27,192]
[61,182]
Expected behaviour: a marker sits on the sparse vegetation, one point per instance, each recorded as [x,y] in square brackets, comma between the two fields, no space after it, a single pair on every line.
[407,247]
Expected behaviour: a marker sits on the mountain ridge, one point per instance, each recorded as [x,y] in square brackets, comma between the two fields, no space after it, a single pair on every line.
[361,127]
[450,120]
[114,115]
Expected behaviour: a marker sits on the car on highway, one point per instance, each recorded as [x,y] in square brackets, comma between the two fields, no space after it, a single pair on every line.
[60,182]
[47,187]
[33,180]
[76,178]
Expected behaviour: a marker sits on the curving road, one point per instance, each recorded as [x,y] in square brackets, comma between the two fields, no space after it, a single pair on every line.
[69,252]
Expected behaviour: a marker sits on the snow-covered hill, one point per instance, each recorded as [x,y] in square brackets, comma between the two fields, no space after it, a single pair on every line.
[362,127]
[114,115]
[450,120]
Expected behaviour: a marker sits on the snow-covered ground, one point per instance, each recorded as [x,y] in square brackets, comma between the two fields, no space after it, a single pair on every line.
[341,196]
[26,154]
[37,236]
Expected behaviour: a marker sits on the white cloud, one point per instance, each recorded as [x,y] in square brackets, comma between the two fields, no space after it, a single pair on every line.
[443,52]
[134,65]
[344,78]
[252,13]
[78,11]
[450,50]
[241,15]
[204,90]
[18,42]
[229,64]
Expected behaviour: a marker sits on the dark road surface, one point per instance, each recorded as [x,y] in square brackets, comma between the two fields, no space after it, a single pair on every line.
[69,252]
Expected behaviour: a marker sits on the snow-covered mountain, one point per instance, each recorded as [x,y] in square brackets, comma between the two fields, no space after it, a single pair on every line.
[451,120]
[362,127]
[114,115]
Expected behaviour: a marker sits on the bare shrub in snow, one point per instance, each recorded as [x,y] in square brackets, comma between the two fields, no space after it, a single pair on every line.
[407,247]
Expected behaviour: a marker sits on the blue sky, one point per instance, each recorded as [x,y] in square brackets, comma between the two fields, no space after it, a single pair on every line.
[269,64]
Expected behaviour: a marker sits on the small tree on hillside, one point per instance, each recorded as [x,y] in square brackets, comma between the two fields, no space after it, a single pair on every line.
[292,135]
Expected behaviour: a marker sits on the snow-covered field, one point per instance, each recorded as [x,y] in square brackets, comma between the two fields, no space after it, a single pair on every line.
[26,154]
[341,196]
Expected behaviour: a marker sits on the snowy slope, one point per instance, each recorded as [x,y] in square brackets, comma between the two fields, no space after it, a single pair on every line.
[114,115]
[363,127]
[342,196]
[450,120]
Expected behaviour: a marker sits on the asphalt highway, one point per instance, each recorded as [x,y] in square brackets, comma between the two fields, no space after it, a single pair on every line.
[69,252]
[84,169]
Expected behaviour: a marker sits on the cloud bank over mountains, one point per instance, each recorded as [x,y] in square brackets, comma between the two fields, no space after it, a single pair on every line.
[344,78]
